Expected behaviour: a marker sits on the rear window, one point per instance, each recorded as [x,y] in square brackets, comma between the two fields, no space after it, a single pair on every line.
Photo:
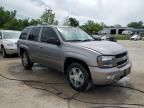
[34,34]
[24,33]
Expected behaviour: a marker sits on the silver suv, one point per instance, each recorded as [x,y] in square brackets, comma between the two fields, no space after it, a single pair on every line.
[70,50]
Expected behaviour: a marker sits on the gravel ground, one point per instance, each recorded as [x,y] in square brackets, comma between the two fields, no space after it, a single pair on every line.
[16,94]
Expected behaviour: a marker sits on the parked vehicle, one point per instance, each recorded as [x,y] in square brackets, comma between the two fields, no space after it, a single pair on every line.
[8,42]
[109,38]
[126,32]
[135,37]
[75,53]
[97,37]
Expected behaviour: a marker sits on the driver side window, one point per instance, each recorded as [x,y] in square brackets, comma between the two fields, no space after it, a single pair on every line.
[48,33]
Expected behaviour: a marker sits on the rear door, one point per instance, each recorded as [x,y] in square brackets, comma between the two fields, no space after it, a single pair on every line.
[22,42]
[33,43]
[51,54]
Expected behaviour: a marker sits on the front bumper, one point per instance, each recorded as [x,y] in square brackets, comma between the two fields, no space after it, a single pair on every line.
[102,76]
[11,51]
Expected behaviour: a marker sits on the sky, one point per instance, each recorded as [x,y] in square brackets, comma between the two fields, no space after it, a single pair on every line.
[111,12]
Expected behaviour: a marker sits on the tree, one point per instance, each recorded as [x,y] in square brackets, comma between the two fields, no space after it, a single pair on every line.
[91,27]
[66,21]
[73,22]
[34,22]
[48,17]
[136,24]
[6,16]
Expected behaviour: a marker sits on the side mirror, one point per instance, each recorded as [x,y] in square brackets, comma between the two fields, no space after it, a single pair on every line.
[53,41]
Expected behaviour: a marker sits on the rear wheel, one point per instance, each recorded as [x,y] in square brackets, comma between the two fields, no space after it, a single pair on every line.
[78,77]
[3,52]
[26,61]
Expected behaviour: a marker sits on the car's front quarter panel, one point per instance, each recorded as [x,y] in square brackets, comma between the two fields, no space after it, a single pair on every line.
[10,47]
[86,55]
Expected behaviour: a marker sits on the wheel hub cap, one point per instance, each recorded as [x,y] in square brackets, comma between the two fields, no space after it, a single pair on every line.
[76,77]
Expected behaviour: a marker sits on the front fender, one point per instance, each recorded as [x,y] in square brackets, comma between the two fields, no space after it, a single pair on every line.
[78,56]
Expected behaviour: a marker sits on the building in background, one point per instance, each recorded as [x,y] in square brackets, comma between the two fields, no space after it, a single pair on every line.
[121,30]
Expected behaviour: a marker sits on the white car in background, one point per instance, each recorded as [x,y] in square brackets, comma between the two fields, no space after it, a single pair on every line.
[126,32]
[8,42]
[135,37]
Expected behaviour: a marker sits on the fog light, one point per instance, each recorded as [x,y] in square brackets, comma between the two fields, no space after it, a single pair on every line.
[110,77]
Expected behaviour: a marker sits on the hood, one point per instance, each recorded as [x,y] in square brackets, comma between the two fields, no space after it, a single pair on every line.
[11,40]
[104,47]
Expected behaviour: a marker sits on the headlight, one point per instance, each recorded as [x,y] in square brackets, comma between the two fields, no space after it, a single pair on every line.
[105,61]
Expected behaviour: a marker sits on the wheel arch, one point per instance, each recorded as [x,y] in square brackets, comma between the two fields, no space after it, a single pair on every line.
[22,50]
[70,60]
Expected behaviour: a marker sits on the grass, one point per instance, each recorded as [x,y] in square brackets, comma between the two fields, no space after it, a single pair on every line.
[122,37]
[125,37]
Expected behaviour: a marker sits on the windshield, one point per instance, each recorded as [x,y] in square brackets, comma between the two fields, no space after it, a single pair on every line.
[11,35]
[74,34]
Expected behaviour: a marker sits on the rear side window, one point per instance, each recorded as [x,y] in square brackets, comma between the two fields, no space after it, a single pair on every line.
[48,33]
[34,34]
[24,33]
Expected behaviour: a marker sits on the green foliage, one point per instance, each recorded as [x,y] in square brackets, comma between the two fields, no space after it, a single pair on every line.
[73,22]
[122,37]
[34,22]
[6,16]
[8,20]
[70,21]
[136,24]
[91,27]
[48,17]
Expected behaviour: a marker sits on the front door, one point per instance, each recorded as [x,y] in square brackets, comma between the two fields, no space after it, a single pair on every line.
[51,54]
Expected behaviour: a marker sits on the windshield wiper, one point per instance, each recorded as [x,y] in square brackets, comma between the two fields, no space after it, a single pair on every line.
[87,40]
[73,40]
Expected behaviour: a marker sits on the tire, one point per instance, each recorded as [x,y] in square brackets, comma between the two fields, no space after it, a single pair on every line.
[78,77]
[26,61]
[4,54]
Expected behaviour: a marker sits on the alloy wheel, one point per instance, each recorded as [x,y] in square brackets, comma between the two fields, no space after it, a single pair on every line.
[76,77]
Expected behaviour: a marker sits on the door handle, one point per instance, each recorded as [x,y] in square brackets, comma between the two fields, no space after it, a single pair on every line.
[41,47]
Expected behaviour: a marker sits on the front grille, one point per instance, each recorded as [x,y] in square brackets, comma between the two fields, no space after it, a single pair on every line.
[121,59]
[121,55]
[121,62]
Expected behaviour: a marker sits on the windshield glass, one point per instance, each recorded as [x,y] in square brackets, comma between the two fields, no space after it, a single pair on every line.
[74,34]
[11,35]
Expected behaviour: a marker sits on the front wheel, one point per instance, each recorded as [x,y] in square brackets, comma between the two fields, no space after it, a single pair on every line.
[26,61]
[3,52]
[78,77]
